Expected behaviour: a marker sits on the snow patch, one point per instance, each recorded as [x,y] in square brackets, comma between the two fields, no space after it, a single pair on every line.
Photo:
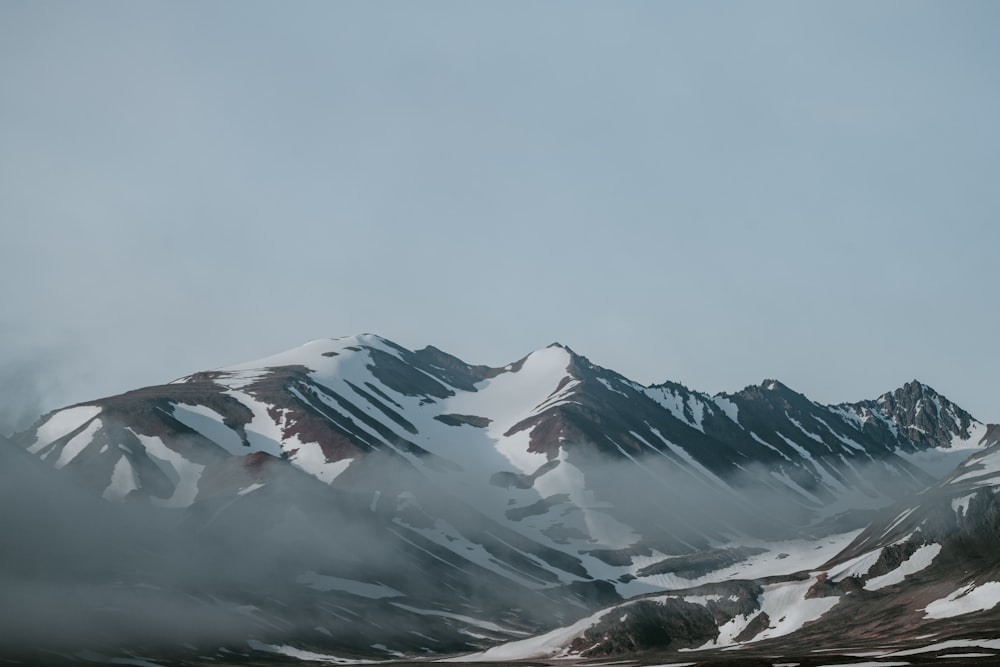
[209,423]
[79,442]
[61,423]
[485,625]
[300,654]
[123,481]
[547,645]
[965,601]
[898,520]
[184,473]
[986,465]
[310,457]
[611,387]
[961,505]
[728,408]
[917,561]
[856,567]
[322,582]
[789,609]
[951,643]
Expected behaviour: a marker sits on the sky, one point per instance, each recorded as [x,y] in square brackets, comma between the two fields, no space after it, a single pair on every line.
[707,192]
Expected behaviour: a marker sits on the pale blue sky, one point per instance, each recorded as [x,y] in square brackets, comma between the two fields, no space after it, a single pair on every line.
[708,192]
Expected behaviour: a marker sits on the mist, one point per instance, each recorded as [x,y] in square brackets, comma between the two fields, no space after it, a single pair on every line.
[80,573]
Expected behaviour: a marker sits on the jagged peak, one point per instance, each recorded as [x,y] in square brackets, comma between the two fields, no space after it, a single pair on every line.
[673,386]
[911,388]
[556,345]
[771,384]
[766,388]
[911,393]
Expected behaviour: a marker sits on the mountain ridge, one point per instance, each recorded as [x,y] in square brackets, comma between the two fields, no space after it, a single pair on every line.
[549,483]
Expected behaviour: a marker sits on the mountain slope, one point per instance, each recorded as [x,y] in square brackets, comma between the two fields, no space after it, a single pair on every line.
[924,578]
[512,499]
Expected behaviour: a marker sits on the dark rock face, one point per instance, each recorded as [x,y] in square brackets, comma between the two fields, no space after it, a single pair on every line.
[459,420]
[757,625]
[701,563]
[924,416]
[645,626]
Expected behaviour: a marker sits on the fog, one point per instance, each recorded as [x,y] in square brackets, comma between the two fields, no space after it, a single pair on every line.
[78,572]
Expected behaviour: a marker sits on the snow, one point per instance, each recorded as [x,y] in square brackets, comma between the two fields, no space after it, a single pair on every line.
[984,465]
[789,609]
[768,445]
[61,423]
[485,625]
[961,505]
[310,457]
[848,416]
[728,408]
[322,582]
[208,422]
[856,567]
[977,431]
[137,662]
[123,481]
[446,536]
[184,473]
[951,643]
[78,443]
[791,443]
[917,561]
[938,462]
[728,631]
[898,520]
[311,354]
[697,412]
[674,402]
[808,434]
[687,458]
[547,645]
[965,601]
[299,654]
[780,558]
[870,663]
[262,433]
[386,649]
[783,478]
[611,387]
[265,435]
[250,489]
[506,400]
[847,441]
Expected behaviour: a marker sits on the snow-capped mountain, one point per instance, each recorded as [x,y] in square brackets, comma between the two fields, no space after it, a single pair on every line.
[326,406]
[466,506]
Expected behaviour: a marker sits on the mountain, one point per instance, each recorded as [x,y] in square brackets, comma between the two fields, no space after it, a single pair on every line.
[367,500]
[922,580]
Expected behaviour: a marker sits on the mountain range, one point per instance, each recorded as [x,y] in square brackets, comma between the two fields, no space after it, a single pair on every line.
[353,500]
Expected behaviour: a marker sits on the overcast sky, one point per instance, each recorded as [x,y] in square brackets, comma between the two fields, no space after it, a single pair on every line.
[708,192]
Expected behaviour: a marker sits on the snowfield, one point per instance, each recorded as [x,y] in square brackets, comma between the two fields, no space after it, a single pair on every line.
[966,600]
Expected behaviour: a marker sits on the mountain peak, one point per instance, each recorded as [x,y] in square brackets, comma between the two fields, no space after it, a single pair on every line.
[915,388]
[926,415]
[916,394]
[771,384]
